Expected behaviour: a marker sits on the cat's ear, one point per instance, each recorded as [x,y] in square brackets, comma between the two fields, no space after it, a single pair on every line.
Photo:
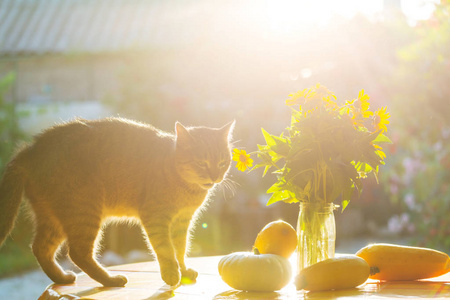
[227,129]
[182,133]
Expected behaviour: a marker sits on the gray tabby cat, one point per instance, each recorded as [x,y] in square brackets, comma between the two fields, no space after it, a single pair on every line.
[78,174]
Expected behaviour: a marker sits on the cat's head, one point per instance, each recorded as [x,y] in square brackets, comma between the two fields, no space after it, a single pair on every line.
[202,154]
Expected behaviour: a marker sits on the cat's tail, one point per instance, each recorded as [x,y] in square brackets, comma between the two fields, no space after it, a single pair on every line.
[11,191]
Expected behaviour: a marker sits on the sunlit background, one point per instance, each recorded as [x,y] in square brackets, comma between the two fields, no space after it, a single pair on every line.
[209,62]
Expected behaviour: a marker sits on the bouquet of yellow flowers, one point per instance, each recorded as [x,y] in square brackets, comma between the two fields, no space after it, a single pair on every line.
[326,151]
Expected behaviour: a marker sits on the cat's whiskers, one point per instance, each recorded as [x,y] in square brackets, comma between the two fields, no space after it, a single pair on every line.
[228,184]
[234,143]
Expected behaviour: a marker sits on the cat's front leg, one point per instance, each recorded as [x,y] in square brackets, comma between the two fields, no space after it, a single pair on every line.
[180,238]
[158,232]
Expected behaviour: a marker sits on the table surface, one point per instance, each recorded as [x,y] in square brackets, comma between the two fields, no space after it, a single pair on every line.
[144,282]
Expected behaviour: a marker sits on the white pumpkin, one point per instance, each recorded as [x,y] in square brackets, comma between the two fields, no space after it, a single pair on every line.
[255,272]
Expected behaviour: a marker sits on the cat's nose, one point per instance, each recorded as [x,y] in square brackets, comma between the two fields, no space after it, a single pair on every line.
[215,177]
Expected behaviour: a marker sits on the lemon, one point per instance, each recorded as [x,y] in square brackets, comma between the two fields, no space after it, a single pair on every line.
[277,237]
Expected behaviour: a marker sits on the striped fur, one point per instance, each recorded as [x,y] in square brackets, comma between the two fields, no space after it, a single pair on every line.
[79,174]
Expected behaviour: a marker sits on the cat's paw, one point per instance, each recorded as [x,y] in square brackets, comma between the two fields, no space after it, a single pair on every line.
[68,277]
[188,276]
[171,276]
[117,281]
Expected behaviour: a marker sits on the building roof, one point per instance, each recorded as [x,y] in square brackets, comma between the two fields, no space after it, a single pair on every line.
[62,26]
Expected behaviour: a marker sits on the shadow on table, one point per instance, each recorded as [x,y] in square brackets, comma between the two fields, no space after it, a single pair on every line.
[422,289]
[50,294]
[234,294]
[389,289]
[163,293]
[335,294]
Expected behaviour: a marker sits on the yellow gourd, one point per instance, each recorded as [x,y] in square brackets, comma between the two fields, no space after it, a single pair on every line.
[395,262]
[256,272]
[278,237]
[342,272]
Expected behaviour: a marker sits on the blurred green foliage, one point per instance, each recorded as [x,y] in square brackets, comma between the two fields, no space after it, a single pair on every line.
[418,175]
[15,255]
[10,133]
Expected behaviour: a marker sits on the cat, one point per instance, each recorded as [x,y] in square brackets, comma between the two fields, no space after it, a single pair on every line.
[76,175]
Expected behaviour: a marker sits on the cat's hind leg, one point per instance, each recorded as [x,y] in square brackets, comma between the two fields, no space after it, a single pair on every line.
[47,240]
[82,232]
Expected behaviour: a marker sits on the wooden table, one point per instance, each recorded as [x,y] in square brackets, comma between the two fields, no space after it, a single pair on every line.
[144,282]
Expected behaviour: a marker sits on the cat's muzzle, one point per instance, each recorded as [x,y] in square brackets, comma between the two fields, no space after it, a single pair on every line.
[207,186]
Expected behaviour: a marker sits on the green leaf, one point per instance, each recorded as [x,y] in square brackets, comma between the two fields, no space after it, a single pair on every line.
[381,138]
[263,148]
[276,187]
[274,198]
[369,137]
[266,160]
[363,168]
[269,138]
[357,184]
[344,204]
[375,173]
[278,196]
[347,192]
[291,200]
[295,116]
[265,170]
[277,147]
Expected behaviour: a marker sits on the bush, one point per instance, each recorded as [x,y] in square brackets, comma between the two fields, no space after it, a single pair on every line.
[419,177]
[15,254]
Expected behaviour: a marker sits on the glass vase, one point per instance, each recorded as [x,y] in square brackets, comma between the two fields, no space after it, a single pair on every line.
[316,229]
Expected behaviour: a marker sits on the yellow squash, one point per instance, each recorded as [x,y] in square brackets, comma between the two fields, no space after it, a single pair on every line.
[395,262]
[342,272]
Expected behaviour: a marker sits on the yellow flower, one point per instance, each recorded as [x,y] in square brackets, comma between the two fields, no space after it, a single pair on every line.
[378,150]
[358,109]
[380,119]
[313,94]
[364,104]
[348,108]
[294,98]
[329,103]
[243,159]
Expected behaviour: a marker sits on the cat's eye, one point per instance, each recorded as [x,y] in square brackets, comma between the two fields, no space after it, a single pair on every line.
[223,164]
[201,163]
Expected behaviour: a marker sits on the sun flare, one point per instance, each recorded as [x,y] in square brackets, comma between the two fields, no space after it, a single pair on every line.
[285,15]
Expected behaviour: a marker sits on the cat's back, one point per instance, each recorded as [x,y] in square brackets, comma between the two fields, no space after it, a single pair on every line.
[92,140]
[88,129]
